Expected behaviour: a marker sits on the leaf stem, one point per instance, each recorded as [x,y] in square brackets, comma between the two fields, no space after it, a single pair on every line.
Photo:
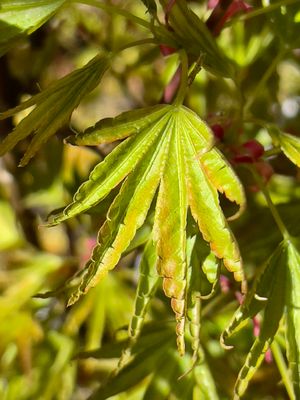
[116,10]
[271,205]
[276,351]
[136,43]
[184,78]
[274,151]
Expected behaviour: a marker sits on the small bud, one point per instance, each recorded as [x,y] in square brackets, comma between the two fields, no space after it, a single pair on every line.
[218,131]
[254,148]
[166,50]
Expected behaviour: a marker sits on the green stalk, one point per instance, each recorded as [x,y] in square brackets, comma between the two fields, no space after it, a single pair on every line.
[271,205]
[276,351]
[184,78]
[136,43]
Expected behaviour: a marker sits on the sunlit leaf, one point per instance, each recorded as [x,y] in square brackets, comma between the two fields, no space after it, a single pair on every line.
[126,124]
[116,166]
[170,229]
[272,315]
[164,156]
[257,298]
[289,144]
[193,307]
[148,280]
[54,107]
[270,293]
[20,17]
[293,316]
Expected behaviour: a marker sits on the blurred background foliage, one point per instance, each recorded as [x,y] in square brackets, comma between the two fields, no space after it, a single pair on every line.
[39,338]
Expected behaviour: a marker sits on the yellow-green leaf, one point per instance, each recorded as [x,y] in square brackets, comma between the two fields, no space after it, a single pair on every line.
[268,294]
[125,216]
[164,153]
[206,210]
[109,173]
[126,124]
[293,316]
[20,17]
[148,280]
[54,107]
[170,228]
[289,144]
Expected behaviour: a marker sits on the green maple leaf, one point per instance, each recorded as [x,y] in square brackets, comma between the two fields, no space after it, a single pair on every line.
[168,149]
[21,17]
[289,144]
[276,292]
[53,107]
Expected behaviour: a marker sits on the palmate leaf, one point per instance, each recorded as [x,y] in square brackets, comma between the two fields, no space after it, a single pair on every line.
[20,17]
[167,155]
[54,107]
[257,298]
[276,291]
[293,316]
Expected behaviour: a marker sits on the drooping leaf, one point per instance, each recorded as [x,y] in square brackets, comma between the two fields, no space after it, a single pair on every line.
[202,278]
[205,208]
[289,144]
[54,107]
[148,280]
[170,230]
[268,293]
[164,155]
[192,34]
[257,298]
[21,17]
[272,315]
[293,316]
[193,308]
[208,262]
[224,178]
